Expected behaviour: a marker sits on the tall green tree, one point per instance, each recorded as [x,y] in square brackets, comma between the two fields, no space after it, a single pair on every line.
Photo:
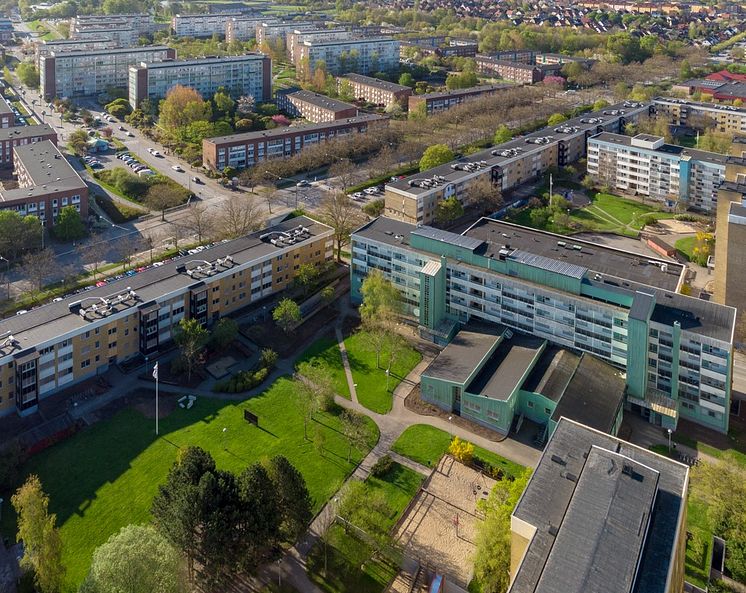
[286,314]
[77,142]
[191,338]
[261,515]
[502,134]
[437,154]
[28,74]
[448,210]
[223,334]
[37,529]
[293,499]
[69,225]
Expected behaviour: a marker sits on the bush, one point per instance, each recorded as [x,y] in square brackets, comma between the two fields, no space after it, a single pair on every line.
[462,451]
[117,212]
[382,466]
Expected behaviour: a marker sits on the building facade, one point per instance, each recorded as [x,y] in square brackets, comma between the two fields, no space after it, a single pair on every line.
[242,28]
[681,112]
[202,25]
[296,36]
[430,103]
[507,165]
[600,514]
[141,23]
[11,138]
[7,117]
[362,56]
[313,107]
[248,149]
[47,48]
[621,307]
[47,183]
[249,74]
[518,72]
[270,29]
[374,90]
[63,343]
[88,73]
[122,37]
[644,165]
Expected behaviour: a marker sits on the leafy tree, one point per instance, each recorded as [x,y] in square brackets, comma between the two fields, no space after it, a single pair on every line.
[268,358]
[340,213]
[78,142]
[293,499]
[502,135]
[435,155]
[191,338]
[375,208]
[327,294]
[181,107]
[69,225]
[224,333]
[42,546]
[28,74]
[462,451]
[161,197]
[406,79]
[600,104]
[305,276]
[556,119]
[381,299]
[224,105]
[18,233]
[137,559]
[286,314]
[492,557]
[354,429]
[261,516]
[448,210]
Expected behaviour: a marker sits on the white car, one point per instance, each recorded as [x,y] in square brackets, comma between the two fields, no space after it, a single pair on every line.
[177,168]
[371,191]
[358,195]
[156,153]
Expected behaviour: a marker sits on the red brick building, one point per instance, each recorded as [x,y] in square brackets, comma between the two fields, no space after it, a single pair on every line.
[10,138]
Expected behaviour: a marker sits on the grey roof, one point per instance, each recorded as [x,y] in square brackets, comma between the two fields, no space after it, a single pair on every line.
[594,395]
[695,315]
[305,128]
[376,82]
[106,52]
[360,41]
[700,105]
[475,90]
[56,319]
[552,373]
[4,107]
[25,132]
[248,57]
[321,100]
[457,361]
[548,264]
[590,527]
[642,306]
[506,367]
[671,149]
[448,237]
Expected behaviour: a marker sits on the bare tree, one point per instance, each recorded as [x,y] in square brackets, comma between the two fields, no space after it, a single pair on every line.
[200,221]
[343,173]
[340,213]
[127,248]
[69,274]
[38,266]
[161,197]
[484,194]
[238,216]
[150,241]
[270,195]
[94,252]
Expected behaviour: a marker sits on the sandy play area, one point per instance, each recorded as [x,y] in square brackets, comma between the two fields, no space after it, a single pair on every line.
[440,526]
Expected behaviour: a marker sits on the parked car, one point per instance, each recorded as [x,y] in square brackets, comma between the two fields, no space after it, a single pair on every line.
[358,195]
[371,191]
[177,168]
[302,183]
[145,172]
[157,154]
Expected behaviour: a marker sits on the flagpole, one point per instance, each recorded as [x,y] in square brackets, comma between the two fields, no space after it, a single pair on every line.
[156,404]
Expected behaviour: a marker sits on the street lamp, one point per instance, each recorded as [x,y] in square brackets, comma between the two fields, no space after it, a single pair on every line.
[669,440]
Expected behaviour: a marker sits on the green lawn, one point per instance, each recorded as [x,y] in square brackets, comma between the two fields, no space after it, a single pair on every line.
[685,246]
[350,568]
[106,476]
[373,389]
[427,444]
[326,351]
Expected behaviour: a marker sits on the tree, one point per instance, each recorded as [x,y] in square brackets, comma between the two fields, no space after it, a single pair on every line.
[69,225]
[181,107]
[191,338]
[482,192]
[270,196]
[600,104]
[161,196]
[224,105]
[293,499]
[127,247]
[78,142]
[38,266]
[354,430]
[502,135]
[556,119]
[238,216]
[28,74]
[305,276]
[406,79]
[42,546]
[462,451]
[260,514]
[435,155]
[375,208]
[448,210]
[223,334]
[340,213]
[93,252]
[492,556]
[286,314]
[344,173]
[18,233]
[137,559]
[245,104]
[200,221]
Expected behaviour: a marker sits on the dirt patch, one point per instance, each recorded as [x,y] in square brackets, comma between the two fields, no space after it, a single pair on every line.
[441,524]
[679,227]
[416,404]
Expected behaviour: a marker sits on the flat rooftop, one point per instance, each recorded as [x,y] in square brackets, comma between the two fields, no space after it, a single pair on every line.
[20,132]
[4,108]
[507,366]
[475,90]
[700,105]
[52,320]
[521,147]
[376,82]
[670,149]
[249,57]
[457,361]
[590,527]
[358,41]
[304,128]
[114,51]
[321,101]
[552,374]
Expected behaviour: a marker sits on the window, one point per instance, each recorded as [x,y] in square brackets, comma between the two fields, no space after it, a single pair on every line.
[530,404]
[112,330]
[112,345]
[85,364]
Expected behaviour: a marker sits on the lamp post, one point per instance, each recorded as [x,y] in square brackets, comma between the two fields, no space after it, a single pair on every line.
[669,440]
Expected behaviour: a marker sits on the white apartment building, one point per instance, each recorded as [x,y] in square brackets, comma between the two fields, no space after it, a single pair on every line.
[644,165]
[296,36]
[242,28]
[122,36]
[46,48]
[271,29]
[202,25]
[88,73]
[250,74]
[142,23]
[362,56]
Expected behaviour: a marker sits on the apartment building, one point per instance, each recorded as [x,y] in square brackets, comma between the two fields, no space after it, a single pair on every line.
[7,117]
[123,36]
[248,74]
[202,25]
[63,343]
[88,73]
[11,138]
[681,112]
[518,72]
[270,29]
[242,28]
[296,36]
[47,48]
[313,107]
[620,307]
[507,165]
[362,56]
[374,90]
[247,149]
[141,23]
[6,30]
[47,183]
[430,103]
[644,165]
[600,514]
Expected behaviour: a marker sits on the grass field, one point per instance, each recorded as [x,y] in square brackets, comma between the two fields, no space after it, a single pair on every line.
[106,476]
[372,389]
[350,567]
[427,444]
[685,246]
[326,351]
